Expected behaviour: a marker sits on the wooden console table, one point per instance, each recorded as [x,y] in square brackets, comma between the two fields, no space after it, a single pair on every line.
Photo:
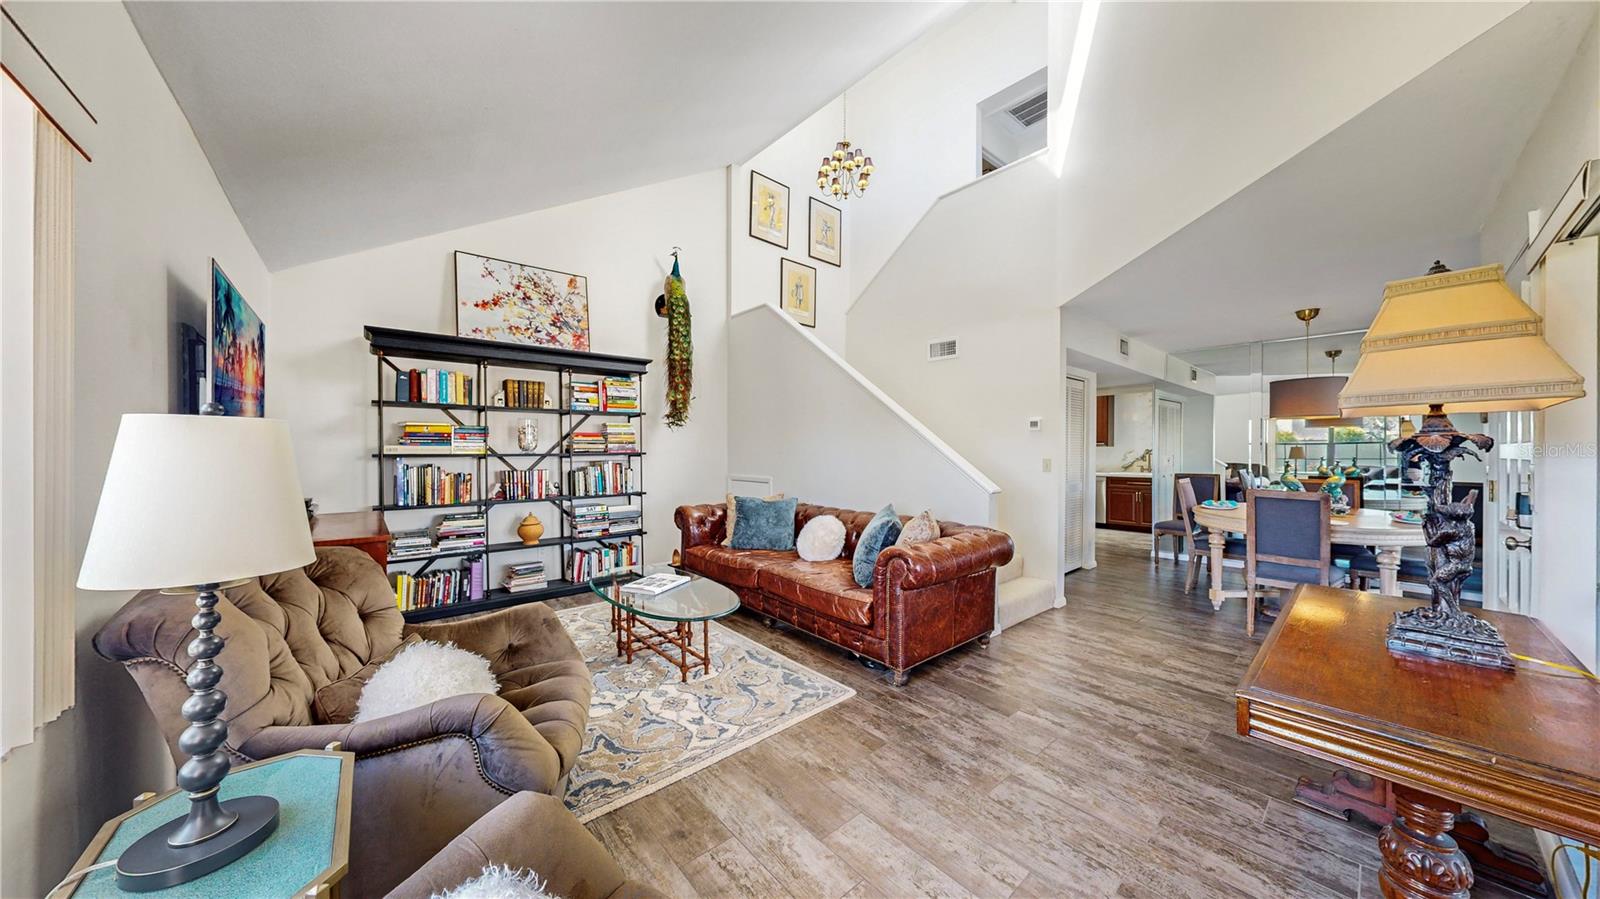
[1520,744]
[358,530]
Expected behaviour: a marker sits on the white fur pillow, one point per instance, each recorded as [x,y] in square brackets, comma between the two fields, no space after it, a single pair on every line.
[422,673]
[499,882]
[821,539]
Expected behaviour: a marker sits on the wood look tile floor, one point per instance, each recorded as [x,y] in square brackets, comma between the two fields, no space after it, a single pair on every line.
[1086,752]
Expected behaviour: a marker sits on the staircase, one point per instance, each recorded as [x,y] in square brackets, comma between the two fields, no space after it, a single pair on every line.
[1019,598]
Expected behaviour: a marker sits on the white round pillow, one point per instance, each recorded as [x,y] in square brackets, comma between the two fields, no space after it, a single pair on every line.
[422,673]
[821,539]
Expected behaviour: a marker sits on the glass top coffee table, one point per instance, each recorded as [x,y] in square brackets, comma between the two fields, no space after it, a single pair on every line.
[676,610]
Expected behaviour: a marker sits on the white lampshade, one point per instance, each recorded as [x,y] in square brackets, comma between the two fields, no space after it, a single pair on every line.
[1461,339]
[196,499]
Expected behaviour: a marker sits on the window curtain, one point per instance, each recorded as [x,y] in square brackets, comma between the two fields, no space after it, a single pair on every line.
[54,592]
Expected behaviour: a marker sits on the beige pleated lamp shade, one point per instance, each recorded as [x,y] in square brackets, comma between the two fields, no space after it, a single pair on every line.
[196,499]
[1461,339]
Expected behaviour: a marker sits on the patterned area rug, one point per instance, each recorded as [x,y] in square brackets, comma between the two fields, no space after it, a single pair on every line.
[647,730]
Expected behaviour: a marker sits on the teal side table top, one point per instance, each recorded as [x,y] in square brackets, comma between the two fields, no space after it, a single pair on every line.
[308,788]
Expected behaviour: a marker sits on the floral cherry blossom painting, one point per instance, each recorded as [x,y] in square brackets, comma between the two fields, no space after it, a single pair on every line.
[509,301]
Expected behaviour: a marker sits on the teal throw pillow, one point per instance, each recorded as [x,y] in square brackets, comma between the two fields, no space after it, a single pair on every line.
[880,534]
[763,523]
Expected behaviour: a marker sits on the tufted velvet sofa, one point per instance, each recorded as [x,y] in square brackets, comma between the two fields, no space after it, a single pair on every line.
[925,600]
[423,776]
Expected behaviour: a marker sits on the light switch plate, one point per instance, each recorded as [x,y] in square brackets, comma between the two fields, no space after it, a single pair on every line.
[1046,463]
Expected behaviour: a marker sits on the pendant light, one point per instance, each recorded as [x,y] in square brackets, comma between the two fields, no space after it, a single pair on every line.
[1313,399]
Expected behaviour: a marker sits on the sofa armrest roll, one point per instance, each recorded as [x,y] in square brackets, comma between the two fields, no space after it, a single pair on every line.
[701,524]
[947,558]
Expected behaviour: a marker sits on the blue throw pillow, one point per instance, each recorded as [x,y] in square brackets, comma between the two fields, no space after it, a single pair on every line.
[879,534]
[763,523]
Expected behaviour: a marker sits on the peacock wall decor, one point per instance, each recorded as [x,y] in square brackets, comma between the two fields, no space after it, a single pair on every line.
[680,347]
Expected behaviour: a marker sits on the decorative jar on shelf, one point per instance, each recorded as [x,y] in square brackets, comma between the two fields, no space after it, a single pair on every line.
[527,435]
[531,529]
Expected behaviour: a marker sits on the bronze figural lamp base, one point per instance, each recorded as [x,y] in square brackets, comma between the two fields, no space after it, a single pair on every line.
[1442,629]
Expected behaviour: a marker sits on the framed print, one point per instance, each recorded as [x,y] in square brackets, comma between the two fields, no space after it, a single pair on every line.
[769,210]
[827,233]
[238,350]
[799,285]
[510,301]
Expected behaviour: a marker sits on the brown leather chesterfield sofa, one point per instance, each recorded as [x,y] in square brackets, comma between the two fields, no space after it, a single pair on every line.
[423,776]
[533,832]
[926,599]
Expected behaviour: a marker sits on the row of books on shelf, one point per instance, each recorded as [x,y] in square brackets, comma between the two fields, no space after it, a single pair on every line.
[602,479]
[430,485]
[523,394]
[440,437]
[603,519]
[610,437]
[433,385]
[517,484]
[604,395]
[440,588]
[457,532]
[524,576]
[585,564]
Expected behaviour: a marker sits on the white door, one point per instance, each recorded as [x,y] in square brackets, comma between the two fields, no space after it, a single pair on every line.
[1508,536]
[1075,470]
[1169,449]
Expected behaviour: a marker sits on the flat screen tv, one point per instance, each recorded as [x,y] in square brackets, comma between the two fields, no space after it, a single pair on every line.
[238,350]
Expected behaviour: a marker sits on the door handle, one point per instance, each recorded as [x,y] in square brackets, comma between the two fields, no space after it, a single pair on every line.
[1515,542]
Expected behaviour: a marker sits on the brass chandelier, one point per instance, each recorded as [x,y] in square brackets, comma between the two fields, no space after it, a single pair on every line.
[845,172]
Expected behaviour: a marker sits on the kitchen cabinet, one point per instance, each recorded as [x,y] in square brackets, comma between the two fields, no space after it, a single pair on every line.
[1105,407]
[1128,503]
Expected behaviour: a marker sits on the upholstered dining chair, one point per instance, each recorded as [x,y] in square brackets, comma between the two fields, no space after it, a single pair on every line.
[1286,544]
[1194,533]
[1206,486]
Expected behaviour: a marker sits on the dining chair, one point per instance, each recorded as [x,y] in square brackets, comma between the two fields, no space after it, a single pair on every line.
[1194,532]
[1206,486]
[1286,544]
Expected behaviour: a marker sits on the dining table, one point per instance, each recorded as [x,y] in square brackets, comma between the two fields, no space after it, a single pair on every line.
[1374,528]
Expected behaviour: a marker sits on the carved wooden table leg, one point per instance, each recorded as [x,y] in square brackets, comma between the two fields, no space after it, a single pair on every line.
[1420,860]
[1346,792]
[1216,540]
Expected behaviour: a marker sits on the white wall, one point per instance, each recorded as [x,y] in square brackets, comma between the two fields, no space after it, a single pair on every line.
[792,160]
[918,115]
[149,216]
[323,374]
[1133,427]
[826,435]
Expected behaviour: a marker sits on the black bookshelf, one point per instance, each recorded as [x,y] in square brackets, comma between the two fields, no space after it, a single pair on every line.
[476,358]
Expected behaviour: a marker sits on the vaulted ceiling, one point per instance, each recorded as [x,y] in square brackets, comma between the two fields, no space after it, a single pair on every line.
[340,126]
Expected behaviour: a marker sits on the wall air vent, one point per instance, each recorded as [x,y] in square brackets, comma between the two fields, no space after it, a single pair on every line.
[1031,110]
[941,349]
[1122,345]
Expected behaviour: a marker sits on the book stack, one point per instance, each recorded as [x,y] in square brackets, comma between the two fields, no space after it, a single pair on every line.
[414,544]
[515,484]
[461,531]
[602,479]
[523,394]
[439,588]
[620,437]
[592,441]
[591,520]
[433,385]
[585,396]
[430,485]
[469,439]
[619,395]
[423,436]
[524,576]
[586,564]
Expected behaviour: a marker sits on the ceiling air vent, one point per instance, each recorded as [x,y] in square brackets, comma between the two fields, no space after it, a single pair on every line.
[941,349]
[1031,110]
[1122,345]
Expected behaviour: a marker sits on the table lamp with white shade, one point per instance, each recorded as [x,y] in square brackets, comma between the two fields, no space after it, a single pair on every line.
[198,502]
[1460,339]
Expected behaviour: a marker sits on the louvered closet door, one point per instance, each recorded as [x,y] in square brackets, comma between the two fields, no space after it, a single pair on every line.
[1076,471]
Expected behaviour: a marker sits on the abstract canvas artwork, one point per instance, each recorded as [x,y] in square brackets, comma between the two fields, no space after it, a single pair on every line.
[799,285]
[238,350]
[827,233]
[500,300]
[769,210]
